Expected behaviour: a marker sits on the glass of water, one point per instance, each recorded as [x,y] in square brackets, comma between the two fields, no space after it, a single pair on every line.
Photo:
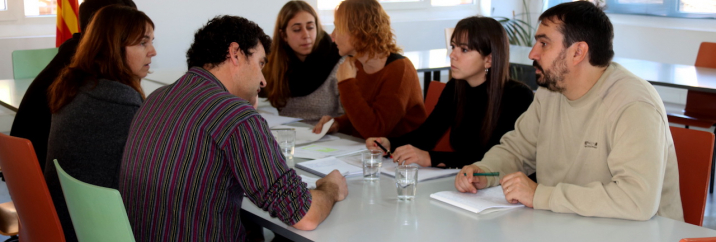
[286,139]
[372,161]
[406,181]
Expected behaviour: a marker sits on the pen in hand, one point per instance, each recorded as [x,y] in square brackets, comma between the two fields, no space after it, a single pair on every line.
[384,149]
[484,174]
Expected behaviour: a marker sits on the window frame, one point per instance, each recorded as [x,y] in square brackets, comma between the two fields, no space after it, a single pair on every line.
[669,8]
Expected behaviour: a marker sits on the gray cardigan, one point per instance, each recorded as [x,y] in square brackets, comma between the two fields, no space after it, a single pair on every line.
[323,101]
[87,138]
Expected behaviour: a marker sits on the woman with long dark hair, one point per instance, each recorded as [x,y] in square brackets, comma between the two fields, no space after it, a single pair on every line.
[480,104]
[94,100]
[301,71]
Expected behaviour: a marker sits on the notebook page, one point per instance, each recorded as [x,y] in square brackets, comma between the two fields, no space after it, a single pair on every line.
[485,199]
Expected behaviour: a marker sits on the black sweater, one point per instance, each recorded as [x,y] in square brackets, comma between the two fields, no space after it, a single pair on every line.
[466,140]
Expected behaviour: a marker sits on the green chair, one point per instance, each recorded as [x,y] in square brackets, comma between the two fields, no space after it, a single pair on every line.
[97,213]
[29,63]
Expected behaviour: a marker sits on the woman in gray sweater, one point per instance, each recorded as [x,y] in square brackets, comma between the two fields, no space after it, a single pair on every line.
[94,100]
[301,72]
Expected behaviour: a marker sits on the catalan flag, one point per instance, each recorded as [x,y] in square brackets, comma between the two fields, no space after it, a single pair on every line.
[67,20]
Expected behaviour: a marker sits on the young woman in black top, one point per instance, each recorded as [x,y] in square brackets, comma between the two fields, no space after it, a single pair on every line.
[480,104]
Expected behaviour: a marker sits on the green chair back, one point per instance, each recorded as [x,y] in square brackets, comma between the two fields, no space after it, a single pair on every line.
[97,213]
[29,63]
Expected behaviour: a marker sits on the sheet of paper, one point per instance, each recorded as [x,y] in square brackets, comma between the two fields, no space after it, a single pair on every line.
[310,181]
[484,201]
[424,173]
[321,167]
[305,135]
[275,120]
[319,150]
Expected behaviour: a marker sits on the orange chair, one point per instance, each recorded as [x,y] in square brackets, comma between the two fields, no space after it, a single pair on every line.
[700,110]
[431,99]
[27,187]
[694,150]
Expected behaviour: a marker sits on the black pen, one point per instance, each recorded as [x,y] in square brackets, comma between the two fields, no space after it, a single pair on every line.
[384,149]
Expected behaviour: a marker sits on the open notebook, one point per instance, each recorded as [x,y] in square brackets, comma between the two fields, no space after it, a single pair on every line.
[321,167]
[484,201]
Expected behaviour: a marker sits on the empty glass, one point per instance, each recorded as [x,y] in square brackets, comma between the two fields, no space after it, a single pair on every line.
[406,181]
[372,161]
[286,139]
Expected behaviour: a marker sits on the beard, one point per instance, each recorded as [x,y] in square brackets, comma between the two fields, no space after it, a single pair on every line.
[551,79]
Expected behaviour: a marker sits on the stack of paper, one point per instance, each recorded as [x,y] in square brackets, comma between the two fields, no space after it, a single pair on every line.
[322,167]
[484,201]
[274,120]
[424,173]
[310,181]
[305,135]
[319,150]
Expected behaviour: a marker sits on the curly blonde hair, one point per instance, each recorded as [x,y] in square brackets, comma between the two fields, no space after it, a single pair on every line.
[368,26]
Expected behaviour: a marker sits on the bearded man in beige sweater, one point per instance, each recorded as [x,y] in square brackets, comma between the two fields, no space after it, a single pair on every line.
[596,135]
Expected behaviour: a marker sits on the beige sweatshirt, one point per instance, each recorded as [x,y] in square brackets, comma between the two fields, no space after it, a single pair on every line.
[606,154]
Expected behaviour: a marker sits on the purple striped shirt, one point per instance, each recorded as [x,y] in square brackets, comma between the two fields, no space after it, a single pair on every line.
[193,150]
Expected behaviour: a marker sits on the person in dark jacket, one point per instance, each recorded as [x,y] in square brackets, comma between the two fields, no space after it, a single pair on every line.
[32,120]
[94,100]
[479,105]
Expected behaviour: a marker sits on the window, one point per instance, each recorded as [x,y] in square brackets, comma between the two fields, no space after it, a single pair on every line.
[40,7]
[668,8]
[3,5]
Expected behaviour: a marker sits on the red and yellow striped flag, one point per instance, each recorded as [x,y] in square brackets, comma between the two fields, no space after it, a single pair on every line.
[67,20]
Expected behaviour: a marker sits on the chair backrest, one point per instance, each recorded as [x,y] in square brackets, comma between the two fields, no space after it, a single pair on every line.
[27,187]
[29,63]
[97,213]
[434,91]
[707,55]
[706,239]
[694,150]
[431,99]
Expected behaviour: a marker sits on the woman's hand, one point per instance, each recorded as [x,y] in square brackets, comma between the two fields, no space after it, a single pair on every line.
[346,70]
[370,143]
[319,126]
[409,154]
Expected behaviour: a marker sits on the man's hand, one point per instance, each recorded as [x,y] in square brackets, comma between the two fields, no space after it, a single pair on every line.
[465,182]
[337,180]
[346,70]
[410,154]
[319,126]
[519,188]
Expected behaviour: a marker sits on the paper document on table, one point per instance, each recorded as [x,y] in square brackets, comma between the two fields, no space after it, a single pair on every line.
[274,120]
[310,181]
[319,150]
[305,135]
[322,167]
[424,173]
[484,201]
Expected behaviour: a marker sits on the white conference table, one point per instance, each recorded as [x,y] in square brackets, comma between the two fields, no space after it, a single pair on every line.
[372,212]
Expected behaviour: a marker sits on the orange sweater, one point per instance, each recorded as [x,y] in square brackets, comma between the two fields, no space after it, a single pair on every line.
[388,103]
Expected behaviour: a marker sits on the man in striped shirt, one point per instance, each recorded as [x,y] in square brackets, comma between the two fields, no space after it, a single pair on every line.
[197,146]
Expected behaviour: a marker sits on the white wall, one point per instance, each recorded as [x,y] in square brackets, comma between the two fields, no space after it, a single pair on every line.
[176,22]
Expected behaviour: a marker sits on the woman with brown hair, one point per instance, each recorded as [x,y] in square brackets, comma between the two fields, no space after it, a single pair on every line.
[301,72]
[480,104]
[94,100]
[379,88]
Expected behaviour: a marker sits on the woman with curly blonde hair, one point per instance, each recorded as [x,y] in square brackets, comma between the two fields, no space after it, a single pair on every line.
[378,87]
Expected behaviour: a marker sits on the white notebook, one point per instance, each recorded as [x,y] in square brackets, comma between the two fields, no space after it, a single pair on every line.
[424,173]
[321,167]
[484,201]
